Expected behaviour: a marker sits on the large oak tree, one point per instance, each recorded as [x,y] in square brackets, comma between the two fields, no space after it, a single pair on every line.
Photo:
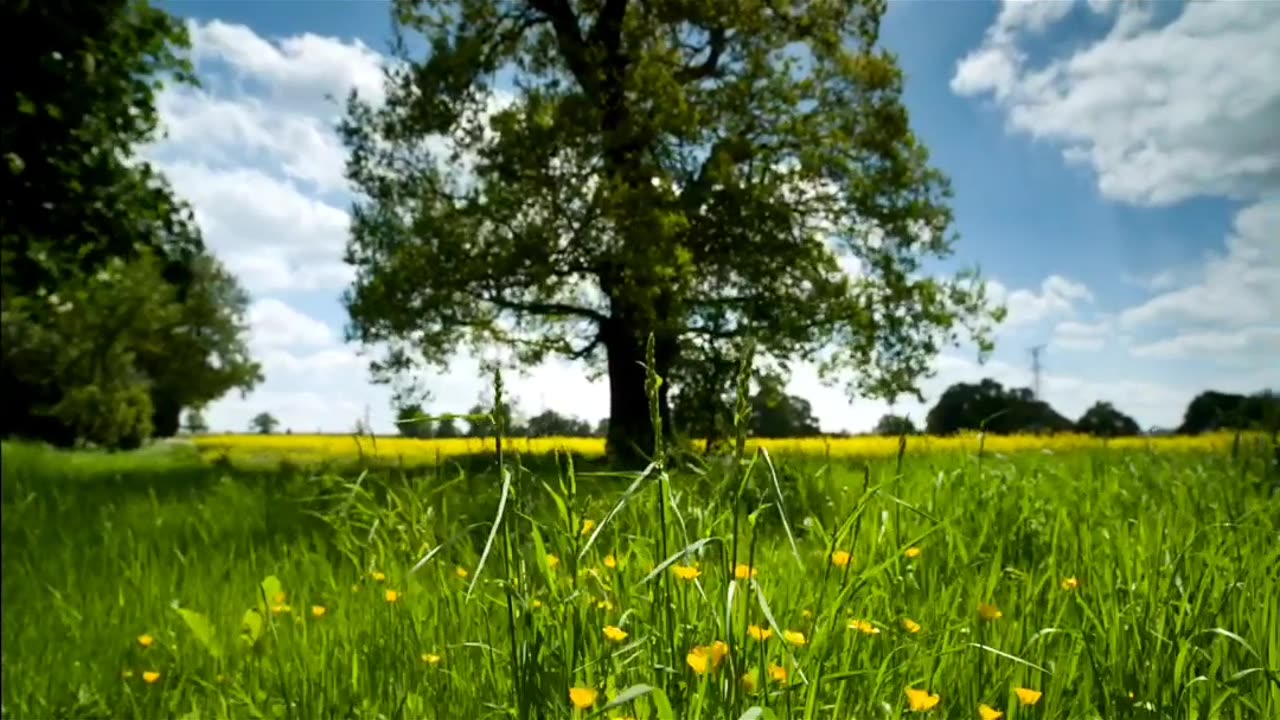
[571,177]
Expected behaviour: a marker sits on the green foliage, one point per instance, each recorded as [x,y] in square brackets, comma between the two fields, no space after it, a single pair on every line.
[1211,410]
[412,421]
[264,423]
[195,422]
[895,425]
[549,423]
[695,172]
[114,317]
[989,406]
[1104,420]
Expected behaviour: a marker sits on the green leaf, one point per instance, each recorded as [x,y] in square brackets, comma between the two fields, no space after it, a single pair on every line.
[201,629]
[251,626]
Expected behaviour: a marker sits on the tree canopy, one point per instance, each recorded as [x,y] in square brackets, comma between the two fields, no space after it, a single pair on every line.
[895,425]
[695,172]
[987,405]
[1104,420]
[114,316]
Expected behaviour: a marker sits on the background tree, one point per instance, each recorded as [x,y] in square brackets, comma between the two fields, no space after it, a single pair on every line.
[107,295]
[263,423]
[412,421]
[549,423]
[1212,410]
[895,425]
[775,414]
[195,423]
[1104,420]
[698,170]
[447,428]
[988,405]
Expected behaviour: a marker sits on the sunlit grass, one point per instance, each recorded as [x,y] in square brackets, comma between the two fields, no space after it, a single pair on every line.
[1070,584]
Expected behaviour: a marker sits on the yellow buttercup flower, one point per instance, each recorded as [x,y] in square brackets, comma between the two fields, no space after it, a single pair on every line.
[699,659]
[392,596]
[146,641]
[750,681]
[583,698]
[319,611]
[744,572]
[535,603]
[605,605]
[431,659]
[610,561]
[378,576]
[687,573]
[614,634]
[910,625]
[841,558]
[719,649]
[913,552]
[553,562]
[989,612]
[1027,696]
[151,677]
[461,572]
[778,674]
[806,614]
[281,609]
[795,637]
[864,627]
[986,712]
[921,700]
[759,633]
[588,525]
[1070,583]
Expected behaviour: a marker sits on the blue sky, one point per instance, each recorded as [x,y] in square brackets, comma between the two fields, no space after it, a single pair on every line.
[1114,173]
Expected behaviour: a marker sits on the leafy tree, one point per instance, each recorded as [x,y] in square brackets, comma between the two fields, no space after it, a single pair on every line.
[195,423]
[989,406]
[264,423]
[549,423]
[775,414]
[895,425]
[447,428]
[1104,420]
[683,171]
[411,421]
[601,429]
[90,232]
[484,428]
[1212,410]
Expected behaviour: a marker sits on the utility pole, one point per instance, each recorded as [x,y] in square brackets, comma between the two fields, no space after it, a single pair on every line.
[1035,369]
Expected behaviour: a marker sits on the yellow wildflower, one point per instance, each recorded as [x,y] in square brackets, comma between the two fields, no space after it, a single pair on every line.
[778,674]
[583,698]
[605,605]
[461,572]
[431,659]
[1070,583]
[910,625]
[921,700]
[146,640]
[281,609]
[610,561]
[686,572]
[759,633]
[392,596]
[319,611]
[864,627]
[806,614]
[989,612]
[553,562]
[1027,696]
[750,681]
[535,604]
[151,677]
[986,712]
[913,552]
[279,597]
[795,637]
[719,649]
[614,634]
[588,525]
[699,659]
[378,576]
[841,558]
[744,572]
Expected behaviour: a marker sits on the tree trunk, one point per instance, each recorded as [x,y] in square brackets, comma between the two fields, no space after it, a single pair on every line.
[630,438]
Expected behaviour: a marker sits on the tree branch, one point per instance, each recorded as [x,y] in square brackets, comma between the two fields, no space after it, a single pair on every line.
[569,39]
[539,308]
[709,67]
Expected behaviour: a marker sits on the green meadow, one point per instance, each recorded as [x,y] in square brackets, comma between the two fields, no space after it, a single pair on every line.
[1035,585]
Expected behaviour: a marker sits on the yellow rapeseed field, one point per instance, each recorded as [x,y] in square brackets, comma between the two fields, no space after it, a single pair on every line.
[305,449]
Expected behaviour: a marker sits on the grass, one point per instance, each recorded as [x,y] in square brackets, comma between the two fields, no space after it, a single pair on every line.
[265,590]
